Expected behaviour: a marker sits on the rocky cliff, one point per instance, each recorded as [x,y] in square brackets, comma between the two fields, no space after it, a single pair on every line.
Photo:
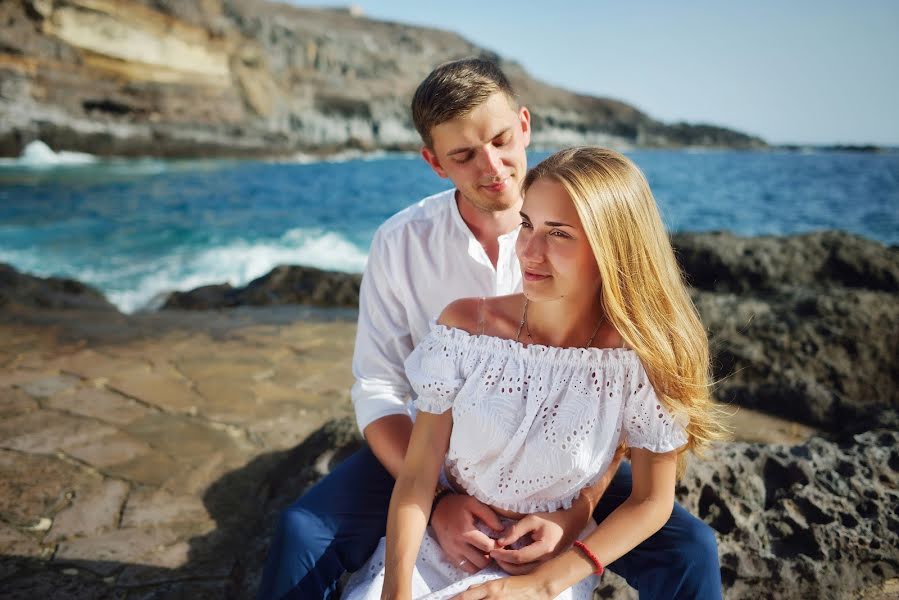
[250,77]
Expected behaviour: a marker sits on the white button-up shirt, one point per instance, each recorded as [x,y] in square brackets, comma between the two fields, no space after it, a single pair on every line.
[421,259]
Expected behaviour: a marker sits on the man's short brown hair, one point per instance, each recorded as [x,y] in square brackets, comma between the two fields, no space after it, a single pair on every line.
[453,90]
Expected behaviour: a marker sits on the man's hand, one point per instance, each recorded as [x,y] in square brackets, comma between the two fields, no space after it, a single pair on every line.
[453,523]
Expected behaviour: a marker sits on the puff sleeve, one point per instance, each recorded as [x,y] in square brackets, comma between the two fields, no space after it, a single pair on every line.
[647,423]
[434,371]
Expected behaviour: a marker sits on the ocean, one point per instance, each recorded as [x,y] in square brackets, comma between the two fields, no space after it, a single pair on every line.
[138,229]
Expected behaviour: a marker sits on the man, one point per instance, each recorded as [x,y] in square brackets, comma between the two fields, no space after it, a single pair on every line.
[459,243]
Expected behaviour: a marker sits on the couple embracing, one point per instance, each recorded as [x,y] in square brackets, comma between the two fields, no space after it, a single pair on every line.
[565,341]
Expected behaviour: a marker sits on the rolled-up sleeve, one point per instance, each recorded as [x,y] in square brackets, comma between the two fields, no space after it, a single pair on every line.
[383,341]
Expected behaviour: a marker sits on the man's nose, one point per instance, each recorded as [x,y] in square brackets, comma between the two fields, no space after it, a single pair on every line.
[491,162]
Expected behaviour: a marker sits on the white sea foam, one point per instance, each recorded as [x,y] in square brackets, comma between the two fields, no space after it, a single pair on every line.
[137,285]
[37,154]
[237,263]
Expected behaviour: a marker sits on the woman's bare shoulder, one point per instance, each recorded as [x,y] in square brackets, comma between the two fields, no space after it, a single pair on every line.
[470,314]
[461,314]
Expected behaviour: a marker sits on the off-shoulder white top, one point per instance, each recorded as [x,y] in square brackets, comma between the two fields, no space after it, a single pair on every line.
[533,425]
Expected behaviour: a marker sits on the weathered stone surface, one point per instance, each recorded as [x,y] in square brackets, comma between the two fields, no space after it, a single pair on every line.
[47,387]
[781,512]
[34,487]
[151,507]
[101,404]
[47,432]
[724,262]
[149,469]
[198,476]
[124,545]
[14,402]
[108,450]
[165,390]
[188,440]
[14,542]
[803,326]
[92,511]
[89,364]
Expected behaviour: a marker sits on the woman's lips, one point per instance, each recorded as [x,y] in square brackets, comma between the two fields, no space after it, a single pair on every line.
[534,276]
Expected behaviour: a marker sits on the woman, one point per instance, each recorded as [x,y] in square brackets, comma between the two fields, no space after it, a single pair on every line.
[527,397]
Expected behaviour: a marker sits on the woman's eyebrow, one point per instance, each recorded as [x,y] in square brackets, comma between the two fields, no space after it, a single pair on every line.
[550,223]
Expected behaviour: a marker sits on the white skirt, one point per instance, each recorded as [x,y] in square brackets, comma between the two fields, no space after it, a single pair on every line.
[435,578]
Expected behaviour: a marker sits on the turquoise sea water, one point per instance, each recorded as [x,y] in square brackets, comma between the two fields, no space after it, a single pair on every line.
[138,229]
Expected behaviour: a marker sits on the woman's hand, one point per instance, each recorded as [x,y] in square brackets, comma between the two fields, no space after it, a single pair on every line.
[524,587]
[545,535]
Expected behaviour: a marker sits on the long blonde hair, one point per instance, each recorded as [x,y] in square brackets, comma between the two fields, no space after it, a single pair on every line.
[644,295]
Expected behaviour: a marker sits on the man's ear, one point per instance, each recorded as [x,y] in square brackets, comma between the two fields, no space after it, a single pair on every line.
[524,117]
[431,159]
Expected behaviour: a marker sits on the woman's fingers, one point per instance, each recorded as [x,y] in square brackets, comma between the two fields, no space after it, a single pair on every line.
[473,560]
[516,532]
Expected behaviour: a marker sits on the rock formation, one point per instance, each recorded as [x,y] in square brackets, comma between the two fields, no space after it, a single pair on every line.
[19,290]
[814,520]
[805,326]
[249,77]
[282,285]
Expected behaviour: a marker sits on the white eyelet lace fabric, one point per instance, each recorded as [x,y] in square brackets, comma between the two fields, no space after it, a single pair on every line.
[533,425]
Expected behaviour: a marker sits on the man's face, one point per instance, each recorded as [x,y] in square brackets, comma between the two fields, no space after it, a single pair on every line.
[483,153]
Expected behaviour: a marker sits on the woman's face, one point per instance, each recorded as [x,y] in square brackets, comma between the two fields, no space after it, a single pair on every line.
[553,250]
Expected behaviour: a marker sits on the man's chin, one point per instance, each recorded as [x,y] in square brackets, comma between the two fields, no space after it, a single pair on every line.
[504,200]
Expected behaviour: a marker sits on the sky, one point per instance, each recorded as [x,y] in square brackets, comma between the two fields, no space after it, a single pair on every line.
[793,71]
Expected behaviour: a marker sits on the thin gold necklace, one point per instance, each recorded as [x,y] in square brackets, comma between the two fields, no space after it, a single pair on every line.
[527,328]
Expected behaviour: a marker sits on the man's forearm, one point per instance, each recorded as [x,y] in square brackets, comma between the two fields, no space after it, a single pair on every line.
[591,495]
[388,438]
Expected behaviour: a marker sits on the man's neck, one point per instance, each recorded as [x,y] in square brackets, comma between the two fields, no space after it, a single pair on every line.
[487,226]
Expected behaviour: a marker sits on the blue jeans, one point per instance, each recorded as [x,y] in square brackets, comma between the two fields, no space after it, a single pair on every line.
[337,524]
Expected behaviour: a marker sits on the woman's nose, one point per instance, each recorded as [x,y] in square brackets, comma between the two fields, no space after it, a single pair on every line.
[532,248]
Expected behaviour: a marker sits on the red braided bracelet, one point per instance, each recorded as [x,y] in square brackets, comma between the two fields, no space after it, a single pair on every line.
[583,548]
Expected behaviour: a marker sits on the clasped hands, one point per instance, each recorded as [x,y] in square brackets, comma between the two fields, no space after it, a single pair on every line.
[455,526]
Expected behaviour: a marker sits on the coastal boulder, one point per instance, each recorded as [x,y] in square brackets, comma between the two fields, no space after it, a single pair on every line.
[27,291]
[723,262]
[282,285]
[826,359]
[815,520]
[804,326]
